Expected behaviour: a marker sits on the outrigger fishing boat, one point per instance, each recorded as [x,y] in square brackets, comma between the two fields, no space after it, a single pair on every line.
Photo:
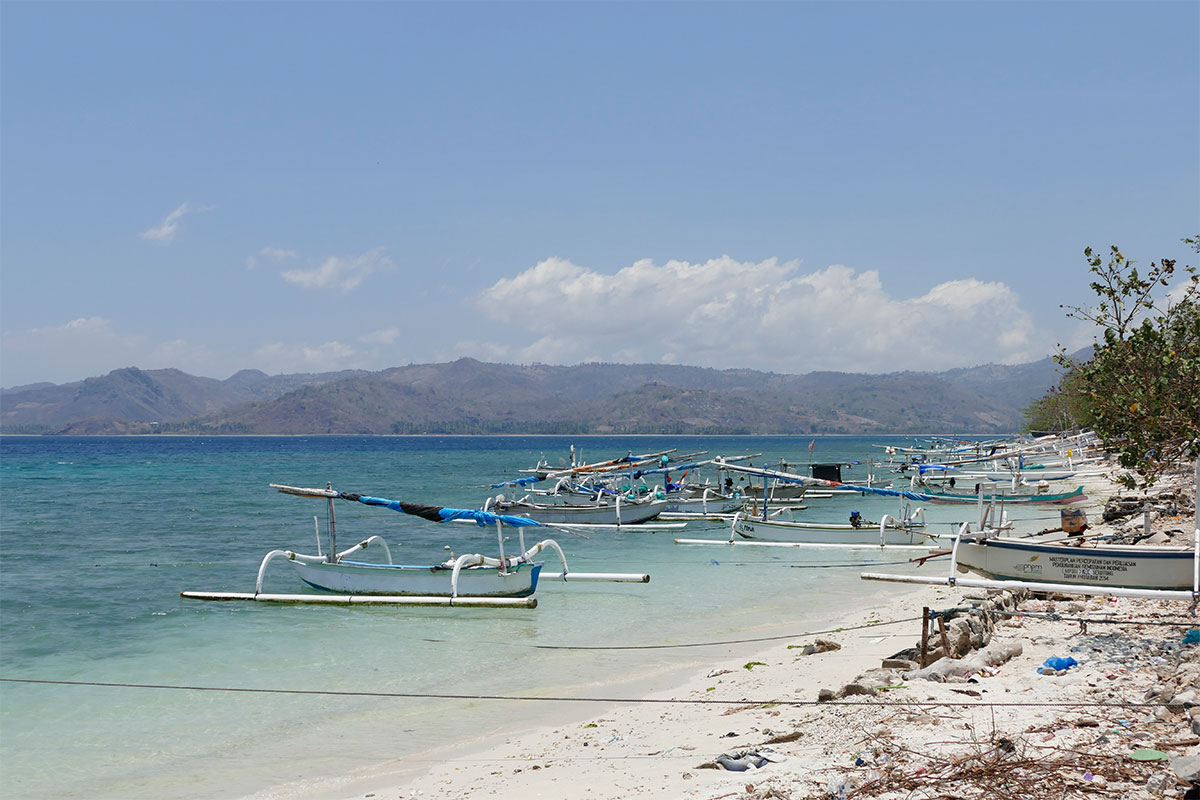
[1066,562]
[1039,497]
[906,529]
[469,579]
[1058,563]
[619,512]
[1054,558]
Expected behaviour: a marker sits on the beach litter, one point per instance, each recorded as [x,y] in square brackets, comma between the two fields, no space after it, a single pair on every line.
[1057,665]
[741,761]
[1148,754]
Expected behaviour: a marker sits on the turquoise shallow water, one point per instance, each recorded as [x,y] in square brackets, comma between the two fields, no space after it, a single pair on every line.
[99,536]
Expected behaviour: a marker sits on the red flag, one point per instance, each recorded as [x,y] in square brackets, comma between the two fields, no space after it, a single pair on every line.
[810,445]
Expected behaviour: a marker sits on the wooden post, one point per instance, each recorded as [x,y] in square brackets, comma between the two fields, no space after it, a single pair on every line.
[945,641]
[924,635]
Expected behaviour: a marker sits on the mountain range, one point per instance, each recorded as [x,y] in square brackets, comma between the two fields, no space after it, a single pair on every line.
[473,397]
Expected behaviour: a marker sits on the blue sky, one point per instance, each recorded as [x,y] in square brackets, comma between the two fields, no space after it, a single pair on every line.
[303,187]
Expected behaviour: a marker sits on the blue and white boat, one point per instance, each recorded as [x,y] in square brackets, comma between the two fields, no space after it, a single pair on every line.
[469,579]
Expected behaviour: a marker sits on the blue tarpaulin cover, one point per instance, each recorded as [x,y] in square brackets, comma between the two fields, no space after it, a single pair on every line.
[442,514]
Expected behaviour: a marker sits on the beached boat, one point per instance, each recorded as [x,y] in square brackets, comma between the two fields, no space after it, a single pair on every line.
[1071,563]
[469,579]
[1053,558]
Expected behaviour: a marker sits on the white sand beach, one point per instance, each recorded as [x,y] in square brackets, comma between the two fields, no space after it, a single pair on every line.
[1119,723]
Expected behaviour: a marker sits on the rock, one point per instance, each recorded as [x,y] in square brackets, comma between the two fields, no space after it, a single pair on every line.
[909,654]
[1159,783]
[1186,767]
[995,653]
[851,689]
[825,695]
[1185,699]
[1159,693]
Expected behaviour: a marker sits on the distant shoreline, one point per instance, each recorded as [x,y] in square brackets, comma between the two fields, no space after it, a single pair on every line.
[492,435]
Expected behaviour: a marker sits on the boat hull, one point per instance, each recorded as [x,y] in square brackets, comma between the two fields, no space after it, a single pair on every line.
[790,491]
[1127,566]
[1053,499]
[627,514]
[821,533]
[698,505]
[351,577]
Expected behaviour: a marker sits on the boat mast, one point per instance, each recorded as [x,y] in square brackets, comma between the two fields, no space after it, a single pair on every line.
[332,557]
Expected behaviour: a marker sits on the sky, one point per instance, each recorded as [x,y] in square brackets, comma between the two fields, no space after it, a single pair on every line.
[852,186]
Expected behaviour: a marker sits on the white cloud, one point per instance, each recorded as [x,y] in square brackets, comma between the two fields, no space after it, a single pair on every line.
[1179,289]
[164,232]
[766,315]
[345,273]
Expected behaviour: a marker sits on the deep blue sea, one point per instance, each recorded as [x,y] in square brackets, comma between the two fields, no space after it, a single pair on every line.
[98,536]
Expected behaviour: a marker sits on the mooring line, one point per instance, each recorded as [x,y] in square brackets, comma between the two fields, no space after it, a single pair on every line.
[724,642]
[611,700]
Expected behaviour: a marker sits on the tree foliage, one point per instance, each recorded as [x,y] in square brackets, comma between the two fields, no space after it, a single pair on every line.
[1062,408]
[1140,391]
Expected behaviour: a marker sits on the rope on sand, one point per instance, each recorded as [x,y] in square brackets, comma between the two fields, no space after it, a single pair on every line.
[611,700]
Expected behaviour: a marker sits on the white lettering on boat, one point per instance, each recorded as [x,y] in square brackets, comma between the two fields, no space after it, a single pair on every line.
[1098,570]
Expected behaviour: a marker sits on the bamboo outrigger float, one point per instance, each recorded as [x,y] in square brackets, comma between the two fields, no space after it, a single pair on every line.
[470,579]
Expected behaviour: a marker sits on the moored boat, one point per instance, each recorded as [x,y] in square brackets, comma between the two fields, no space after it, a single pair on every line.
[908,529]
[926,494]
[618,512]
[469,579]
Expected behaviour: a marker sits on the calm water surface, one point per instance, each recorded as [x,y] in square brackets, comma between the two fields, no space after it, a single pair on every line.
[99,535]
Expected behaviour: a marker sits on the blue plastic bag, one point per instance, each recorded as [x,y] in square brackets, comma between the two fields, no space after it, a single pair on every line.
[1058,663]
[1192,637]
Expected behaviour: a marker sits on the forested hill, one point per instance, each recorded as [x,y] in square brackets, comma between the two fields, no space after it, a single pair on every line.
[469,396]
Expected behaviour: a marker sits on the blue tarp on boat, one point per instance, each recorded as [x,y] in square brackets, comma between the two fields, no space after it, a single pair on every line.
[442,514]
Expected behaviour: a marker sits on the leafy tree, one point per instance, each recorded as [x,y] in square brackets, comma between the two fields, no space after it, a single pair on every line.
[1140,391]
[1062,408]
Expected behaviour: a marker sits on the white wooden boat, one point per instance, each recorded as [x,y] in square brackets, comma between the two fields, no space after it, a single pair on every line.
[776,491]
[618,512]
[1039,497]
[908,529]
[451,578]
[484,580]
[1070,564]
[706,504]
[1058,559]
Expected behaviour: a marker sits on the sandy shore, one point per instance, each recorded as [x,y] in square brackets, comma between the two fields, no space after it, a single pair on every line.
[1118,723]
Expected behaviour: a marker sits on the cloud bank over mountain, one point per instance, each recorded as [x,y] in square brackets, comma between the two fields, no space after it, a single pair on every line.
[767,315]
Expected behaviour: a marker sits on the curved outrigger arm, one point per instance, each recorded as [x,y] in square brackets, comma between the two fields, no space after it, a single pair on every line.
[291,555]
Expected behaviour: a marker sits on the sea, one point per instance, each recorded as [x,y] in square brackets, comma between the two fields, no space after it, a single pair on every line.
[114,686]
